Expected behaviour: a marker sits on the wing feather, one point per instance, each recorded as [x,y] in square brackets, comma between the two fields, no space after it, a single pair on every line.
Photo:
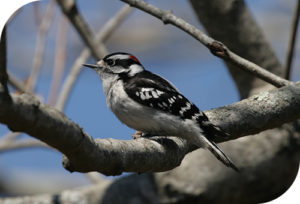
[153,91]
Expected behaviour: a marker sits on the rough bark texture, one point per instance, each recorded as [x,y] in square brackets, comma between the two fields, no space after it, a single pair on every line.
[112,157]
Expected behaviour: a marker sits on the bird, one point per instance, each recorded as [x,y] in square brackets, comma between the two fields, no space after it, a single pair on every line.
[151,104]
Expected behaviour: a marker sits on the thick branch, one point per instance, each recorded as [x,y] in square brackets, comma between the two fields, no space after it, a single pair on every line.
[111,157]
[217,48]
[3,62]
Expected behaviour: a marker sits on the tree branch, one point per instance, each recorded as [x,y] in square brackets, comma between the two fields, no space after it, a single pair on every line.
[15,83]
[71,11]
[13,145]
[9,137]
[40,46]
[112,157]
[217,48]
[59,60]
[232,23]
[109,27]
[3,63]
[200,175]
[292,42]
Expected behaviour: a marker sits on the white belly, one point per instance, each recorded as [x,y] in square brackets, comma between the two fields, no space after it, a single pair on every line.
[146,119]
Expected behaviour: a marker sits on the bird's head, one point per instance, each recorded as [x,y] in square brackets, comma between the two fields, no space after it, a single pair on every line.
[118,63]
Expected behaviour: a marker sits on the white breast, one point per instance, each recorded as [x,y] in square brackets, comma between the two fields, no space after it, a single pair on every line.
[127,110]
[147,119]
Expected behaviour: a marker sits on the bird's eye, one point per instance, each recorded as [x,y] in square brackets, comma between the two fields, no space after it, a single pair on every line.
[110,62]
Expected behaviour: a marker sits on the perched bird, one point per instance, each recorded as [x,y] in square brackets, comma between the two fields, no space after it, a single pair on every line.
[151,104]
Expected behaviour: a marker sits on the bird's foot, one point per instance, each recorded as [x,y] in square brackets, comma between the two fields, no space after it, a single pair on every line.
[137,134]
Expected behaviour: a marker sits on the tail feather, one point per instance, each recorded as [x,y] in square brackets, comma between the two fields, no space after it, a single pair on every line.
[220,155]
[212,130]
[209,131]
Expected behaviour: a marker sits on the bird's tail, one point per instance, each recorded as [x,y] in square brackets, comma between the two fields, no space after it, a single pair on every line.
[220,155]
[212,130]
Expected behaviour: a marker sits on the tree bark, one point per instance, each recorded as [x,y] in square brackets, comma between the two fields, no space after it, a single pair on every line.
[112,157]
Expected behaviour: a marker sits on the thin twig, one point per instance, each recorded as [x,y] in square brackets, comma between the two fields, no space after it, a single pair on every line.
[292,42]
[256,70]
[11,136]
[28,143]
[217,48]
[16,84]
[70,80]
[40,46]
[102,35]
[59,61]
[37,13]
[113,23]
[71,11]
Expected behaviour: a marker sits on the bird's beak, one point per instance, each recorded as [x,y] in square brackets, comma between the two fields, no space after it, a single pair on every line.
[92,66]
[100,64]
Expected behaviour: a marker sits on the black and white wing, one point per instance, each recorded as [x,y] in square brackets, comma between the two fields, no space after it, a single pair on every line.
[156,92]
[153,91]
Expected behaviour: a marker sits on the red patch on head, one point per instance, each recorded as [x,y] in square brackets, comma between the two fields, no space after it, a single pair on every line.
[134,58]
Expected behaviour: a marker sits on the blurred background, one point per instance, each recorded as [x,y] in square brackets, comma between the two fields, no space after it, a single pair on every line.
[161,48]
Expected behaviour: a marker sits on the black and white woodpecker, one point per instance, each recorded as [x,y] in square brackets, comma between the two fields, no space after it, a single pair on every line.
[151,104]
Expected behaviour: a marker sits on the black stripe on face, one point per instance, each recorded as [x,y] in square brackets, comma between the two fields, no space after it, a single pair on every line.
[125,63]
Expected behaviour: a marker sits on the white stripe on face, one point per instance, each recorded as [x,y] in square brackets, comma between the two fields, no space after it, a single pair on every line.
[120,56]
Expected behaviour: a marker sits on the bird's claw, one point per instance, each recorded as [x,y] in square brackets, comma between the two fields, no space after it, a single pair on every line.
[137,135]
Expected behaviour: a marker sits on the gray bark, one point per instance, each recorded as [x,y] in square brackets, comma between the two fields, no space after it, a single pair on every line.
[112,157]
